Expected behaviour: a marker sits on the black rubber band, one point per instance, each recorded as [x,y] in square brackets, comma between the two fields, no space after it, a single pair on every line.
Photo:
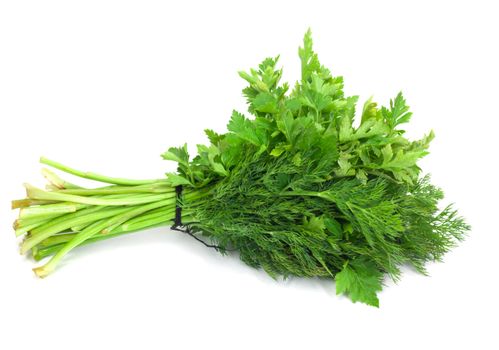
[177,223]
[178,208]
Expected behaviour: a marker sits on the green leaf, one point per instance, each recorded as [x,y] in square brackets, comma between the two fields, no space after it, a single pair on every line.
[285,123]
[361,175]
[387,153]
[265,102]
[247,130]
[230,150]
[176,179]
[300,132]
[314,224]
[293,104]
[371,127]
[345,167]
[177,154]
[309,60]
[405,159]
[424,143]
[346,130]
[328,145]
[309,133]
[369,111]
[398,112]
[277,151]
[250,78]
[219,169]
[213,136]
[214,157]
[333,226]
[297,159]
[360,279]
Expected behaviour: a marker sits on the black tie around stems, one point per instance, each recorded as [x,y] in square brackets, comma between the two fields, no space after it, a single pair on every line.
[177,223]
[178,208]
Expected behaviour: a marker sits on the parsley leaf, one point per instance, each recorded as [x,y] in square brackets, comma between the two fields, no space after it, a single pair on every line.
[360,280]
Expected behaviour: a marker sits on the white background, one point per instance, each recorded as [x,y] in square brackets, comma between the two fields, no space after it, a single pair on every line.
[108,86]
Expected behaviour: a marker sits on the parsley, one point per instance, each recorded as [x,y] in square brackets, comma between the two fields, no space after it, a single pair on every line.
[297,189]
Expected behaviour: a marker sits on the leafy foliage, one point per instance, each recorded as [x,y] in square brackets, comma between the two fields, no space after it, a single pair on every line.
[360,279]
[300,190]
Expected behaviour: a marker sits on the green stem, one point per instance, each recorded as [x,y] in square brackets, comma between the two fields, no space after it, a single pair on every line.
[161,214]
[24,229]
[43,271]
[150,188]
[49,210]
[36,193]
[57,242]
[88,232]
[26,202]
[56,181]
[45,212]
[60,224]
[97,177]
[117,221]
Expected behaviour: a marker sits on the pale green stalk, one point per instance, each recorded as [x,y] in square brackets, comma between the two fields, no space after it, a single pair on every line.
[89,232]
[96,177]
[40,233]
[36,193]
[57,242]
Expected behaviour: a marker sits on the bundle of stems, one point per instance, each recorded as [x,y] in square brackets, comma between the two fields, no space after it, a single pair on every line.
[64,215]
